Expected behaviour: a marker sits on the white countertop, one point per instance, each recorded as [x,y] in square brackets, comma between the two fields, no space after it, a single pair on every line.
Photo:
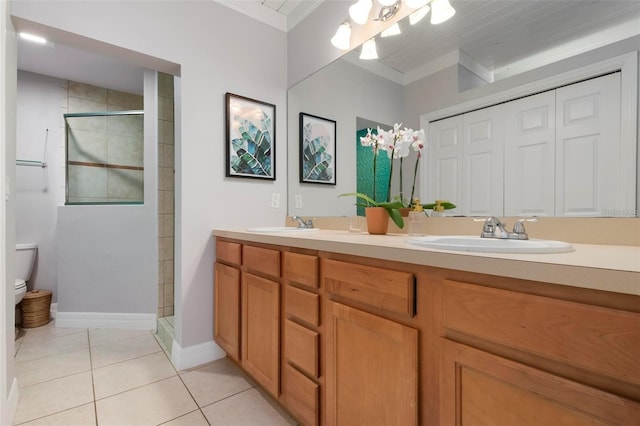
[600,267]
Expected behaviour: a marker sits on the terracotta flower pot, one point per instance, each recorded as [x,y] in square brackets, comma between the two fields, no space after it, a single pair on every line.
[377,220]
[404,212]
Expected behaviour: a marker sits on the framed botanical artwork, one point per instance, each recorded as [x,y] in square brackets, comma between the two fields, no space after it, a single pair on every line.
[250,138]
[317,149]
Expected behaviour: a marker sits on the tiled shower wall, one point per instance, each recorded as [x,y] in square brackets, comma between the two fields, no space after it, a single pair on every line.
[95,141]
[165,195]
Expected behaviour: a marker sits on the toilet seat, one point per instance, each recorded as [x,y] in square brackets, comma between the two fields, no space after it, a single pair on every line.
[20,284]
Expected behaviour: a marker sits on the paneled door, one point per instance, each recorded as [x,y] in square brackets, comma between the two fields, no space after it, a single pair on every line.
[530,140]
[444,180]
[483,162]
[589,179]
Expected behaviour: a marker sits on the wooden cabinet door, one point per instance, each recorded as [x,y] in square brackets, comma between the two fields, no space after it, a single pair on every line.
[227,309]
[261,330]
[479,388]
[372,369]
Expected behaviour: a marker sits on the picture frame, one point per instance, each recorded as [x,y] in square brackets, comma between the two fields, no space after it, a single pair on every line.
[250,136]
[317,149]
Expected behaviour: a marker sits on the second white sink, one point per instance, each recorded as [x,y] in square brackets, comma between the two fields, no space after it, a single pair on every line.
[490,245]
[287,229]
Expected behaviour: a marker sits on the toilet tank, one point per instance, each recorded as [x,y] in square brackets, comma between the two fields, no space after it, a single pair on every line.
[25,259]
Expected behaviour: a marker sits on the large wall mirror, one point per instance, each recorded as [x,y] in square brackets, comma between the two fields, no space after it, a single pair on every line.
[487,49]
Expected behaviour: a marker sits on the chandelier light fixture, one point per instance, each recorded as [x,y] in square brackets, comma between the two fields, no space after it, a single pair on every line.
[342,38]
[359,11]
[391,31]
[369,50]
[417,16]
[441,10]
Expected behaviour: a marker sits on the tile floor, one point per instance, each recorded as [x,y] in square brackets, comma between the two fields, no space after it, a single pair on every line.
[77,377]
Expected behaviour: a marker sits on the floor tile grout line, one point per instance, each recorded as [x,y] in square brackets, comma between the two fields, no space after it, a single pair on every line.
[126,360]
[192,397]
[120,340]
[93,382]
[135,388]
[53,414]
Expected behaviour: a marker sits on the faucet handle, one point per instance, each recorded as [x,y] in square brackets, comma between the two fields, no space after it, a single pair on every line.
[518,227]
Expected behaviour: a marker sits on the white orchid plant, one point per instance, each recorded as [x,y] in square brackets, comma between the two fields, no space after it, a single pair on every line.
[398,143]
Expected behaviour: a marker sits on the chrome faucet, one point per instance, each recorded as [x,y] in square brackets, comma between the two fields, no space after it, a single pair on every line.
[302,223]
[493,228]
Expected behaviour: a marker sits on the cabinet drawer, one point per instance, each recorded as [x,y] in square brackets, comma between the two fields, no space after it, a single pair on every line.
[599,339]
[263,260]
[302,305]
[301,269]
[229,252]
[301,347]
[386,289]
[301,395]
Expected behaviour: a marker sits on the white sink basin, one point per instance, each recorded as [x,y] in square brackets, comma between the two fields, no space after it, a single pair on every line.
[287,229]
[490,245]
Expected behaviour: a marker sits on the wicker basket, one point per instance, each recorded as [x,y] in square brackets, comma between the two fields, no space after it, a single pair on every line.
[34,308]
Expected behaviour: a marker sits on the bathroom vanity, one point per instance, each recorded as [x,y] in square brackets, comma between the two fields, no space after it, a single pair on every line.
[349,329]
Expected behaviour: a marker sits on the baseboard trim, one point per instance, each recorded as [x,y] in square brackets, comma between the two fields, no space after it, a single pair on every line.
[8,412]
[53,310]
[194,355]
[106,320]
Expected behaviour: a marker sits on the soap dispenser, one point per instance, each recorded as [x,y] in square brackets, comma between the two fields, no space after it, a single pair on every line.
[417,219]
[438,209]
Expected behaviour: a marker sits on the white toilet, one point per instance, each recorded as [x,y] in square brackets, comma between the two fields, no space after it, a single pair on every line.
[25,259]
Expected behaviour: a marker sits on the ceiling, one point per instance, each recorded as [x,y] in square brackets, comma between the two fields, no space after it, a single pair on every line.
[500,37]
[504,38]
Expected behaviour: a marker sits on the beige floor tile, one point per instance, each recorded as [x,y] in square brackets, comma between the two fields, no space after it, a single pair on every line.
[85,415]
[54,396]
[149,405]
[131,374]
[215,381]
[49,331]
[247,408]
[111,353]
[53,367]
[194,418]
[35,349]
[102,336]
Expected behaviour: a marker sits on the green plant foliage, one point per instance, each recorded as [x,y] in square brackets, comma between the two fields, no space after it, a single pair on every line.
[252,151]
[391,207]
[316,164]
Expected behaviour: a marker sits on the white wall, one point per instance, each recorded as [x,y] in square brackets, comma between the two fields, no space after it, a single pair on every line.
[40,190]
[108,254]
[341,92]
[218,50]
[8,61]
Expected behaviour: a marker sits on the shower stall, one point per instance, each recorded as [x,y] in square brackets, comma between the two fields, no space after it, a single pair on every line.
[105,157]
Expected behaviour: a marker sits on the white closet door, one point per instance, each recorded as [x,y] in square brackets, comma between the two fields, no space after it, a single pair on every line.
[444,161]
[483,163]
[588,147]
[530,137]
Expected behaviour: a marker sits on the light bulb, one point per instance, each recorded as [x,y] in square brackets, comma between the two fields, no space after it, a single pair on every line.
[441,11]
[369,50]
[417,16]
[391,31]
[359,11]
[342,38]
[415,4]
